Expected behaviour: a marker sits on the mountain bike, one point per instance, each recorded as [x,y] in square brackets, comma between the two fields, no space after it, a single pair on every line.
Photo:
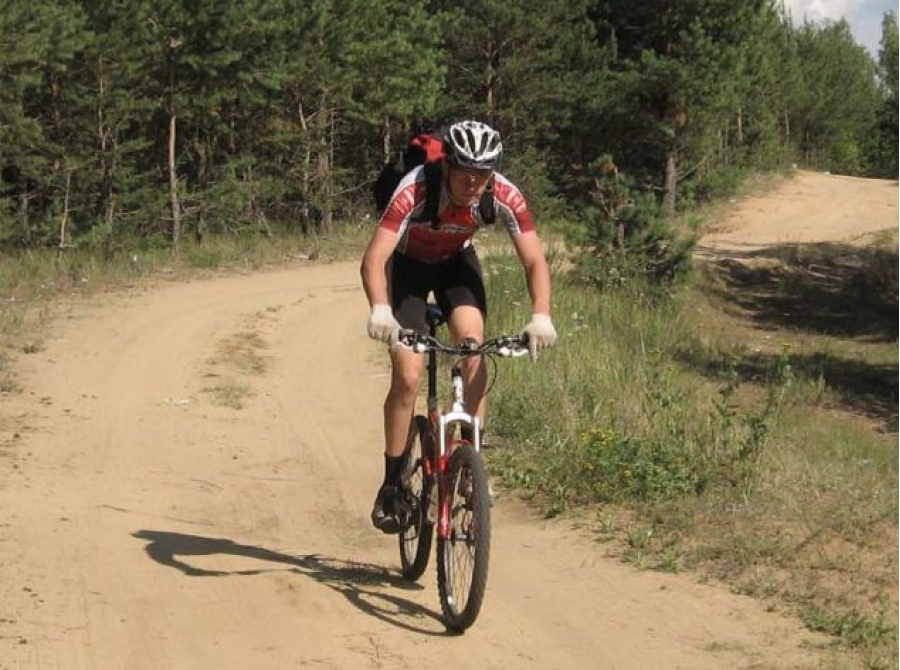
[444,483]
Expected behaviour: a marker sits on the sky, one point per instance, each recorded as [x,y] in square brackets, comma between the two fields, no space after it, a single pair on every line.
[864,16]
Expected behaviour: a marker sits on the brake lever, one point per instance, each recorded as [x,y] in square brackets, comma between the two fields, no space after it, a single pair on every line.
[407,339]
[512,352]
[513,347]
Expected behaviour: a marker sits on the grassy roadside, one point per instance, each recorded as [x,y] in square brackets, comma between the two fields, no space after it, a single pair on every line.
[742,428]
[728,430]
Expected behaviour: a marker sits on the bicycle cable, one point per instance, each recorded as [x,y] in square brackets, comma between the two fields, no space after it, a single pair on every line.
[493,379]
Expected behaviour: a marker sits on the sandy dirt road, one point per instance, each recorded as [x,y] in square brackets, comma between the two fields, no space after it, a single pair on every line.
[144,525]
[811,207]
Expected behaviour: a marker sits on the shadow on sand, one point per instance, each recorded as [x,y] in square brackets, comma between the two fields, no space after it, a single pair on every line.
[362,584]
[829,289]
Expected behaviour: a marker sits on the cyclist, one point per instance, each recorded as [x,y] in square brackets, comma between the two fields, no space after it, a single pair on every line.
[406,259]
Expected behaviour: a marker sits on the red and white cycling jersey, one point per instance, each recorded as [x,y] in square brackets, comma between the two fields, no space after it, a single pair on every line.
[420,241]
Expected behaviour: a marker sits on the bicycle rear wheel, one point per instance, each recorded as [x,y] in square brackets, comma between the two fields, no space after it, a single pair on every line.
[417,533]
[463,556]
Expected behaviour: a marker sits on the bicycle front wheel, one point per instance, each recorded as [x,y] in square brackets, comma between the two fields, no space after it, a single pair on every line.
[418,530]
[464,554]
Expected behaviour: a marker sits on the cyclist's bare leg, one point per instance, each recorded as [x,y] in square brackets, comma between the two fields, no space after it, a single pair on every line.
[406,372]
[400,403]
[467,322]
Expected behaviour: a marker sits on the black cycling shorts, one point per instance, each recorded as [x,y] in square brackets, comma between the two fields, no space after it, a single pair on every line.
[456,281]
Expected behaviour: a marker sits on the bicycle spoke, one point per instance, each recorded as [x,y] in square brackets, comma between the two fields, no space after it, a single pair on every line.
[463,554]
[416,533]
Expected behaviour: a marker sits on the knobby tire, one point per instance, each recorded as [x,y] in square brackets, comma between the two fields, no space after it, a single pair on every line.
[463,557]
[416,537]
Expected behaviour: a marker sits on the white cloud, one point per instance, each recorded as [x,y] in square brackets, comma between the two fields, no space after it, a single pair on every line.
[817,10]
[864,16]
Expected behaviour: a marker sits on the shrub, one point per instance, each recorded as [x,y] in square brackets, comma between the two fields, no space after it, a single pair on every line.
[626,233]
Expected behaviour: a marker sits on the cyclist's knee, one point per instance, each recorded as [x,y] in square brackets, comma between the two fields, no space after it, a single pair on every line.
[405,381]
[466,322]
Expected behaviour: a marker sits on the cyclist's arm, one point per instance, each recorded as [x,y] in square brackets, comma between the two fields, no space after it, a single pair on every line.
[537,271]
[372,268]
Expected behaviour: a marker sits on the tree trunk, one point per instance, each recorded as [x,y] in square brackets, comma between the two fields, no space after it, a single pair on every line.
[173,185]
[305,214]
[490,78]
[103,136]
[323,168]
[723,143]
[489,90]
[386,138]
[64,220]
[305,175]
[23,210]
[671,184]
[322,171]
[172,44]
[787,130]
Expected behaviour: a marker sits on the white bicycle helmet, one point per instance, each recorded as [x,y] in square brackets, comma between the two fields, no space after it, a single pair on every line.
[473,144]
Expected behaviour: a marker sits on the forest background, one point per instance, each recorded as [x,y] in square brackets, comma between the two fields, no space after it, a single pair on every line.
[132,132]
[138,123]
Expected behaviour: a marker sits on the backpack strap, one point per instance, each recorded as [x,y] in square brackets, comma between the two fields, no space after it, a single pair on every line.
[433,177]
[486,206]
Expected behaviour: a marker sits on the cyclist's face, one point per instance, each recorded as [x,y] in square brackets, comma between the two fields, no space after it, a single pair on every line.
[467,184]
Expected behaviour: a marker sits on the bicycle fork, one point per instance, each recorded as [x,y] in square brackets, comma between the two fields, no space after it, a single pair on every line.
[444,424]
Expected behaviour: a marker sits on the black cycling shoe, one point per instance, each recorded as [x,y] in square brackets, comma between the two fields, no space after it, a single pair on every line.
[384,512]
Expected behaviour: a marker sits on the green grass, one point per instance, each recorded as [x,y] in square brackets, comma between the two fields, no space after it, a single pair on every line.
[49,273]
[8,383]
[229,394]
[243,351]
[237,359]
[609,416]
[701,443]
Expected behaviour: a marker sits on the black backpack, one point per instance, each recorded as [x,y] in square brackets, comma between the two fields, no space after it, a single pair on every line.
[425,149]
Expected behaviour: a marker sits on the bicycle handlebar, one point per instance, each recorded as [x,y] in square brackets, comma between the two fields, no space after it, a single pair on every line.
[505,346]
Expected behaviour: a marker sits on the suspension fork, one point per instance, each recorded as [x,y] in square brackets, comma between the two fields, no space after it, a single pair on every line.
[444,422]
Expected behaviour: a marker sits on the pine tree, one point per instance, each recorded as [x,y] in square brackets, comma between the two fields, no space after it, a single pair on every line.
[883,157]
[393,61]
[21,135]
[838,98]
[119,67]
[43,106]
[679,70]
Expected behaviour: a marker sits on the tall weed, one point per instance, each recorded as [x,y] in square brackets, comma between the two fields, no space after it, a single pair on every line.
[608,416]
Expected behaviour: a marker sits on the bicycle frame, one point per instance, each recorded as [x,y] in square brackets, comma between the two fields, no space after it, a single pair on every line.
[450,496]
[443,423]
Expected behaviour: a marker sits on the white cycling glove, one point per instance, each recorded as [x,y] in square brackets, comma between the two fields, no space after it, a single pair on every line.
[382,325]
[541,334]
